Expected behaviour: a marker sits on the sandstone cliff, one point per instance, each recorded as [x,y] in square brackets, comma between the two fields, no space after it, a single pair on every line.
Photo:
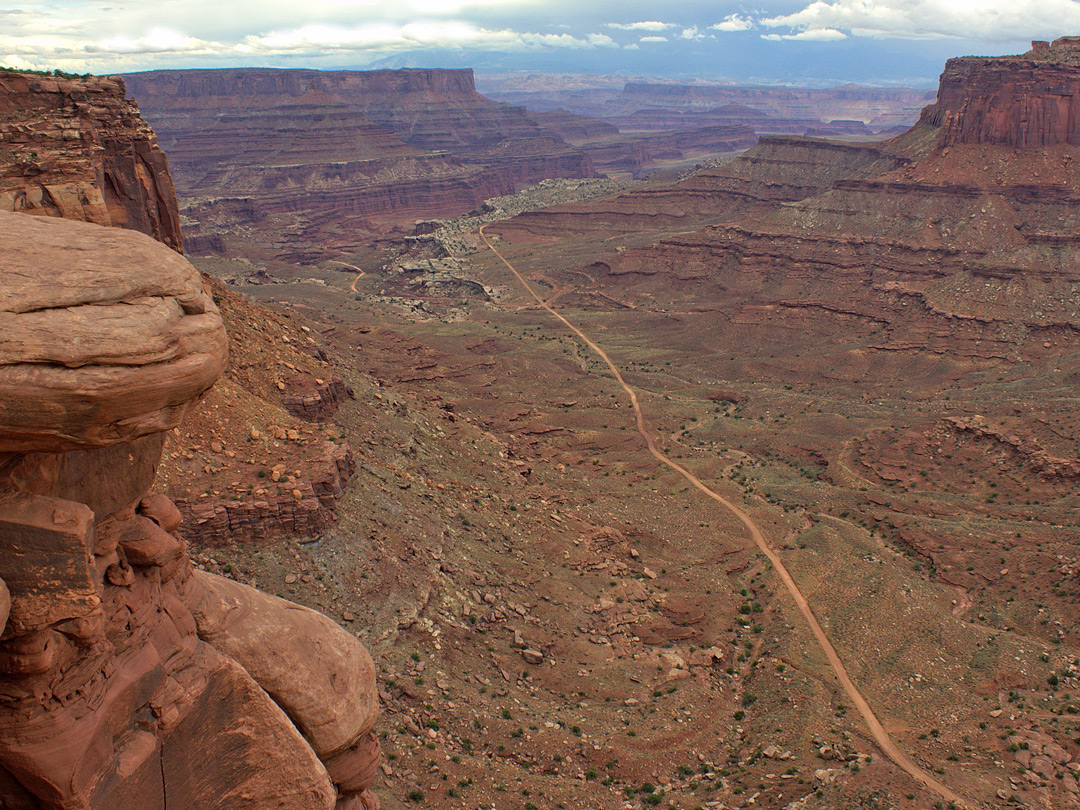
[319,152]
[769,110]
[1027,101]
[94,158]
[313,168]
[259,460]
[76,148]
[129,679]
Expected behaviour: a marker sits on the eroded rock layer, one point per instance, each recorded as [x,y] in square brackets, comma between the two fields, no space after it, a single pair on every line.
[633,152]
[768,110]
[1025,101]
[313,152]
[76,148]
[127,678]
[779,170]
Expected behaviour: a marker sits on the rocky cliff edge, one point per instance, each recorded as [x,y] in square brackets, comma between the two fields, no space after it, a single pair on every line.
[127,678]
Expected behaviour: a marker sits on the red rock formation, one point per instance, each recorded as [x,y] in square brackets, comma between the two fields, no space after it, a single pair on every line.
[1028,101]
[571,127]
[128,678]
[770,110]
[957,237]
[301,510]
[777,171]
[633,152]
[344,149]
[315,399]
[75,148]
[326,164]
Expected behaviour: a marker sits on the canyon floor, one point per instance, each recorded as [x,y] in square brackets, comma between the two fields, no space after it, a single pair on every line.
[562,620]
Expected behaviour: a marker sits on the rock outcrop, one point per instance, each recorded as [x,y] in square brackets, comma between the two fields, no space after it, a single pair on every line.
[101,129]
[298,509]
[778,170]
[76,148]
[1027,101]
[636,151]
[128,678]
[315,399]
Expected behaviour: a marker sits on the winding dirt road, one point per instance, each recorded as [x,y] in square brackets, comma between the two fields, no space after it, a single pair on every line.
[885,743]
[359,273]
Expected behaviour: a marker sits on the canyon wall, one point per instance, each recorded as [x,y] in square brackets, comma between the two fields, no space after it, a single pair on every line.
[958,239]
[982,187]
[879,106]
[769,110]
[778,170]
[1027,101]
[318,152]
[76,148]
[128,678]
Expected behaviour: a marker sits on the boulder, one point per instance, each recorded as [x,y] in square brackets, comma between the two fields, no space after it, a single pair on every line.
[332,698]
[91,353]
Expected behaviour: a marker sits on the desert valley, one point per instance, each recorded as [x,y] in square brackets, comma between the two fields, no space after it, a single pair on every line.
[368,439]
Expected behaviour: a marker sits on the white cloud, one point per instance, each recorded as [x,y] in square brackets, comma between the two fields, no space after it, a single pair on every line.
[602,41]
[381,37]
[115,35]
[376,36]
[810,35]
[156,40]
[733,22]
[190,33]
[647,25]
[987,20]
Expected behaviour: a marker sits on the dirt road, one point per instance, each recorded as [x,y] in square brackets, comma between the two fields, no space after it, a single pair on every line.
[885,743]
[359,273]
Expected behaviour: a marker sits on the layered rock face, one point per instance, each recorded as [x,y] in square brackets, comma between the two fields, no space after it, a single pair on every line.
[880,107]
[325,163]
[981,188]
[128,678]
[613,152]
[78,149]
[769,110]
[308,152]
[1027,101]
[98,125]
[778,170]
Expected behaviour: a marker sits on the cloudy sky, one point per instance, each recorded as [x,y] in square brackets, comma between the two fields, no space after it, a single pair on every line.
[812,41]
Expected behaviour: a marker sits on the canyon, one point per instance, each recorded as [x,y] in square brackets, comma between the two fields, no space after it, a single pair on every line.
[77,150]
[130,677]
[452,443]
[270,162]
[771,110]
[308,154]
